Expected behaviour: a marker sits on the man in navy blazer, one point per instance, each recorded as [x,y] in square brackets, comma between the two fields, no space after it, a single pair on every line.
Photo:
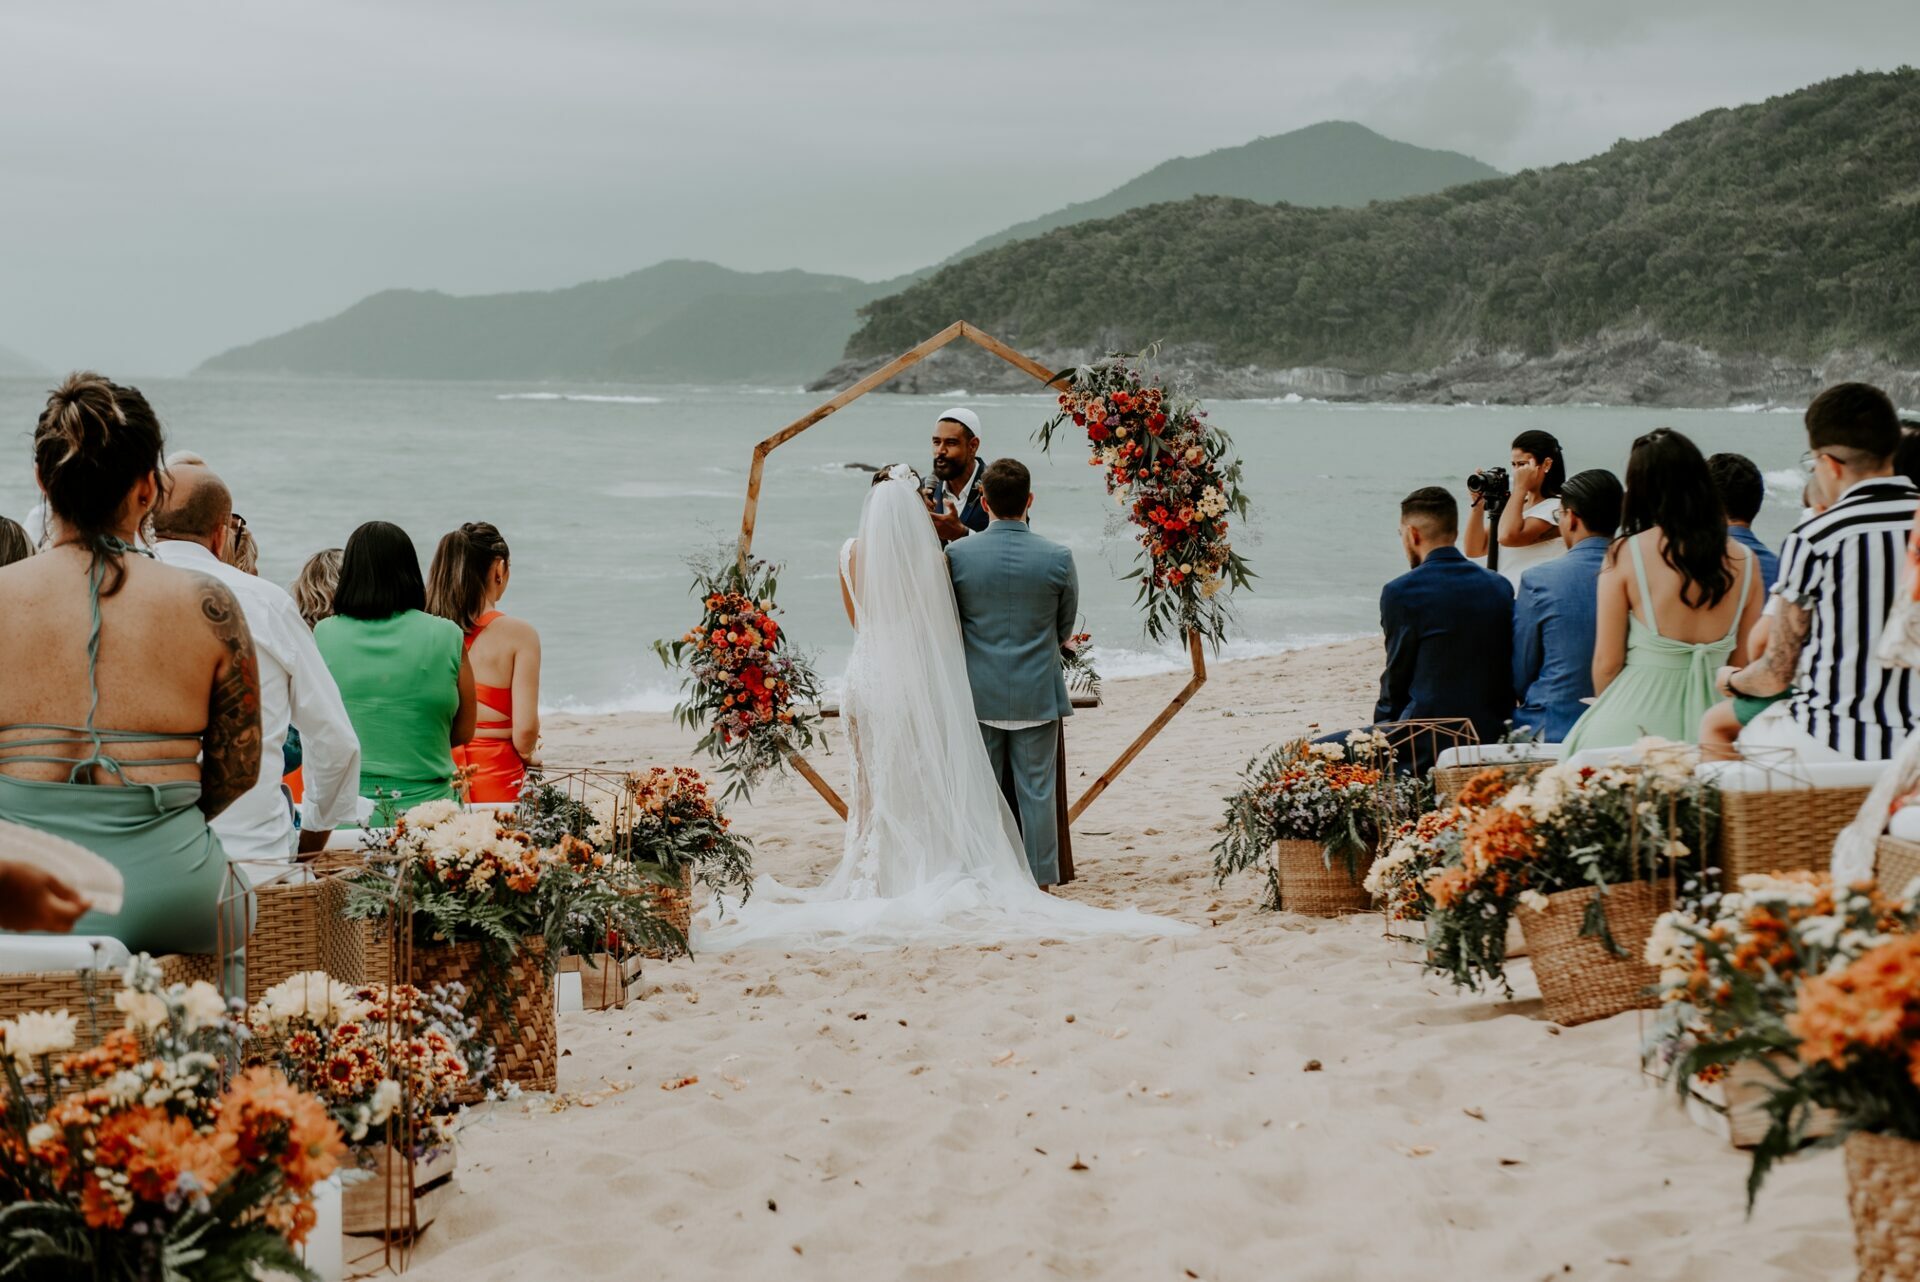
[1555,619]
[1449,631]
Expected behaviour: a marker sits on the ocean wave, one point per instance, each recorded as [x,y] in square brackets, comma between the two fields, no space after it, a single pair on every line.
[594,397]
[1759,407]
[1787,481]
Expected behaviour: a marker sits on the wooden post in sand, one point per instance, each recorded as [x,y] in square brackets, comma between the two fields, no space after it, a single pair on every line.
[879,378]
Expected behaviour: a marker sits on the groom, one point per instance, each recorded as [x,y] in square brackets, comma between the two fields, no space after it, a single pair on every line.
[1018,596]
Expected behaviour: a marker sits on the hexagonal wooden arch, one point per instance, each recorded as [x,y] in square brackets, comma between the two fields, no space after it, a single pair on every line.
[879,377]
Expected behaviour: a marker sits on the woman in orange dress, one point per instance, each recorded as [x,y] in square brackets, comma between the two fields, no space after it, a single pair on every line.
[469,576]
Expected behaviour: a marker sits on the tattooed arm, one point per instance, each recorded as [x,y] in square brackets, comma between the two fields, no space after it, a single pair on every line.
[1773,672]
[230,750]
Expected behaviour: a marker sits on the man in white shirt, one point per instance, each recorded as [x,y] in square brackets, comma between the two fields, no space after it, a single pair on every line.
[191,530]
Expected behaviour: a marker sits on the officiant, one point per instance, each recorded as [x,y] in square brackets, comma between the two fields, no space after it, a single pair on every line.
[953,495]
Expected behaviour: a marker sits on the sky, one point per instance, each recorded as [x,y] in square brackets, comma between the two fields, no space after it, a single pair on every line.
[180,178]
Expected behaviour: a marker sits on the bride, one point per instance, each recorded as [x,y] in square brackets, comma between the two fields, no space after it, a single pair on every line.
[931,854]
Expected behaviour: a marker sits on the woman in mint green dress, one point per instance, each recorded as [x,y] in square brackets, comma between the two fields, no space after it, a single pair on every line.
[129,696]
[1677,600]
[402,673]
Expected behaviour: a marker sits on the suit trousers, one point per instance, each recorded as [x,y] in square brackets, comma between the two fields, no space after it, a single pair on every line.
[1032,758]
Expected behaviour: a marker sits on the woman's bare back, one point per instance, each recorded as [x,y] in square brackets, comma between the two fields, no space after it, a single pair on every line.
[1672,617]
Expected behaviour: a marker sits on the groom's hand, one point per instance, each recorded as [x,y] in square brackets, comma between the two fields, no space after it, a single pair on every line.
[946,520]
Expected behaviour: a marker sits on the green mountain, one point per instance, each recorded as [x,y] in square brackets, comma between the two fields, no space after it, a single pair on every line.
[673,322]
[1790,228]
[1333,164]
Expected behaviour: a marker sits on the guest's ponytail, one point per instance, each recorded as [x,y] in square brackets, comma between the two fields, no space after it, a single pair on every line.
[457,580]
[94,442]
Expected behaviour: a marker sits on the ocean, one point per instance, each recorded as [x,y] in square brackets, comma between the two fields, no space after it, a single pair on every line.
[605,492]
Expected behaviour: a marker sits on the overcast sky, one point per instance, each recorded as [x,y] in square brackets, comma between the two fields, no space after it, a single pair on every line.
[180,177]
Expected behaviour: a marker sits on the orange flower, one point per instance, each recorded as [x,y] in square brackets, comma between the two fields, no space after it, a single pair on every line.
[1872,1007]
[267,1120]
[156,1151]
[1449,886]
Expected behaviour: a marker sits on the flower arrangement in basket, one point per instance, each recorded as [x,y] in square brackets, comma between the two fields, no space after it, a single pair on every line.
[1174,475]
[755,699]
[1856,1036]
[1730,971]
[142,1158]
[679,829]
[1416,849]
[1581,831]
[353,1046]
[1340,797]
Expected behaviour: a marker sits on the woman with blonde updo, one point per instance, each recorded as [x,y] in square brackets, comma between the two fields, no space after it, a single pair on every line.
[130,708]
[469,576]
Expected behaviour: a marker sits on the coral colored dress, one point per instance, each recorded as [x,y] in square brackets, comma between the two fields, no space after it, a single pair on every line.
[494,767]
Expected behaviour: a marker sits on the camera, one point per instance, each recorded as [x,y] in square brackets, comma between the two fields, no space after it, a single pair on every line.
[1492,485]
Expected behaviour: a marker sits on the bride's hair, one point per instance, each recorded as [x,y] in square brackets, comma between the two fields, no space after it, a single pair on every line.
[899,471]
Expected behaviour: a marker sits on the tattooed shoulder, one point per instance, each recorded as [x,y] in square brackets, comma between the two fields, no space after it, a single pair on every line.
[230,760]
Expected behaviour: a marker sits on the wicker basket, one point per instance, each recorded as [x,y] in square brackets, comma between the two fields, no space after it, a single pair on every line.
[1748,1086]
[1788,830]
[1896,864]
[1580,980]
[1449,780]
[1309,886]
[675,904]
[524,1037]
[88,994]
[301,926]
[606,982]
[1883,1191]
[375,1206]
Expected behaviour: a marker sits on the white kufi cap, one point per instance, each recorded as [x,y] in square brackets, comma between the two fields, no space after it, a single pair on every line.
[965,417]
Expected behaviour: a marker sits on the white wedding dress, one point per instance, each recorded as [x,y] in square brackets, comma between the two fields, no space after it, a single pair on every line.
[931,854]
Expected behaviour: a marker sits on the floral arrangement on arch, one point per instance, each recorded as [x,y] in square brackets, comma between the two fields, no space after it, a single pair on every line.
[756,700]
[476,876]
[1341,795]
[1567,828]
[1174,475]
[1076,660]
[354,1046]
[142,1158]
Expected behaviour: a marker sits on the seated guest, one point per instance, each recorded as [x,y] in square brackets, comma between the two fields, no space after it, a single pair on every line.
[1839,571]
[1906,456]
[1742,491]
[1677,597]
[14,543]
[402,672]
[130,715]
[192,529]
[1449,632]
[1553,619]
[312,591]
[468,577]
[1527,533]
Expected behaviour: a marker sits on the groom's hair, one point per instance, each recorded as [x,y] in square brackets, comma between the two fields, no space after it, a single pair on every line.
[1007,485]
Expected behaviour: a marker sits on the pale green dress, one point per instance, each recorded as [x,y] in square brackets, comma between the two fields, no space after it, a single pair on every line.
[1666,686]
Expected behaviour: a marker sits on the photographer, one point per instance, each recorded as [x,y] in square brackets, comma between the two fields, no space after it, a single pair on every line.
[1526,506]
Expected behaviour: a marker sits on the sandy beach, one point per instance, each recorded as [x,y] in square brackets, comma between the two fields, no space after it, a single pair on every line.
[1276,1097]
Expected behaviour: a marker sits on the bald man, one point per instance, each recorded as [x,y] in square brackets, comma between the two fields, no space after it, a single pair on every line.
[191,529]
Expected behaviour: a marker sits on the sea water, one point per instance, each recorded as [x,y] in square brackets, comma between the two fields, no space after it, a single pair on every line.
[604,492]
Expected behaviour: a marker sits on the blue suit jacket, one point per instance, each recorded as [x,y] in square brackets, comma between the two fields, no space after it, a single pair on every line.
[1554,623]
[1449,629]
[1018,596]
[1769,559]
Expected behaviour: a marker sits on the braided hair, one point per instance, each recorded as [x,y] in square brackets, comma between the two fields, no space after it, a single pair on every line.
[94,442]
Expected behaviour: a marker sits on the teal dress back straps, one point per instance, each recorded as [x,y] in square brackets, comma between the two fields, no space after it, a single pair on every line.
[154,834]
[1666,686]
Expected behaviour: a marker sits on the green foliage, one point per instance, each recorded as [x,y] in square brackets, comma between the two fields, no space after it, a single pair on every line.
[1786,227]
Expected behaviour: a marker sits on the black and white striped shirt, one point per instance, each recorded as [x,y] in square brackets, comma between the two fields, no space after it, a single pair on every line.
[1843,567]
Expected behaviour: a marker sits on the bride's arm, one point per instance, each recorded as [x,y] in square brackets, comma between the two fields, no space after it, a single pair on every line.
[846,592]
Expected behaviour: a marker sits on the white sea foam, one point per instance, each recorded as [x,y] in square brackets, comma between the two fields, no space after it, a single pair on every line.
[1788,482]
[595,397]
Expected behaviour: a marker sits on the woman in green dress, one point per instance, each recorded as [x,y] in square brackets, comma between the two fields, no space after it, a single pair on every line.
[1677,600]
[130,698]
[402,673]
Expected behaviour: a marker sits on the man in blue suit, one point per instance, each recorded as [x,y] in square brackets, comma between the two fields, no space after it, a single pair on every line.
[1018,595]
[1554,621]
[1449,631]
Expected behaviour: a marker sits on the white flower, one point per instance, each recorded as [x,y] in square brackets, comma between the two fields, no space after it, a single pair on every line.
[1329,751]
[202,1006]
[40,1132]
[1822,932]
[144,1011]
[386,1098]
[313,996]
[34,1033]
[1678,850]
[1534,899]
[431,814]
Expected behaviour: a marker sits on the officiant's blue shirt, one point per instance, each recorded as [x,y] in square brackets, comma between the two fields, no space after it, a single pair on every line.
[1554,621]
